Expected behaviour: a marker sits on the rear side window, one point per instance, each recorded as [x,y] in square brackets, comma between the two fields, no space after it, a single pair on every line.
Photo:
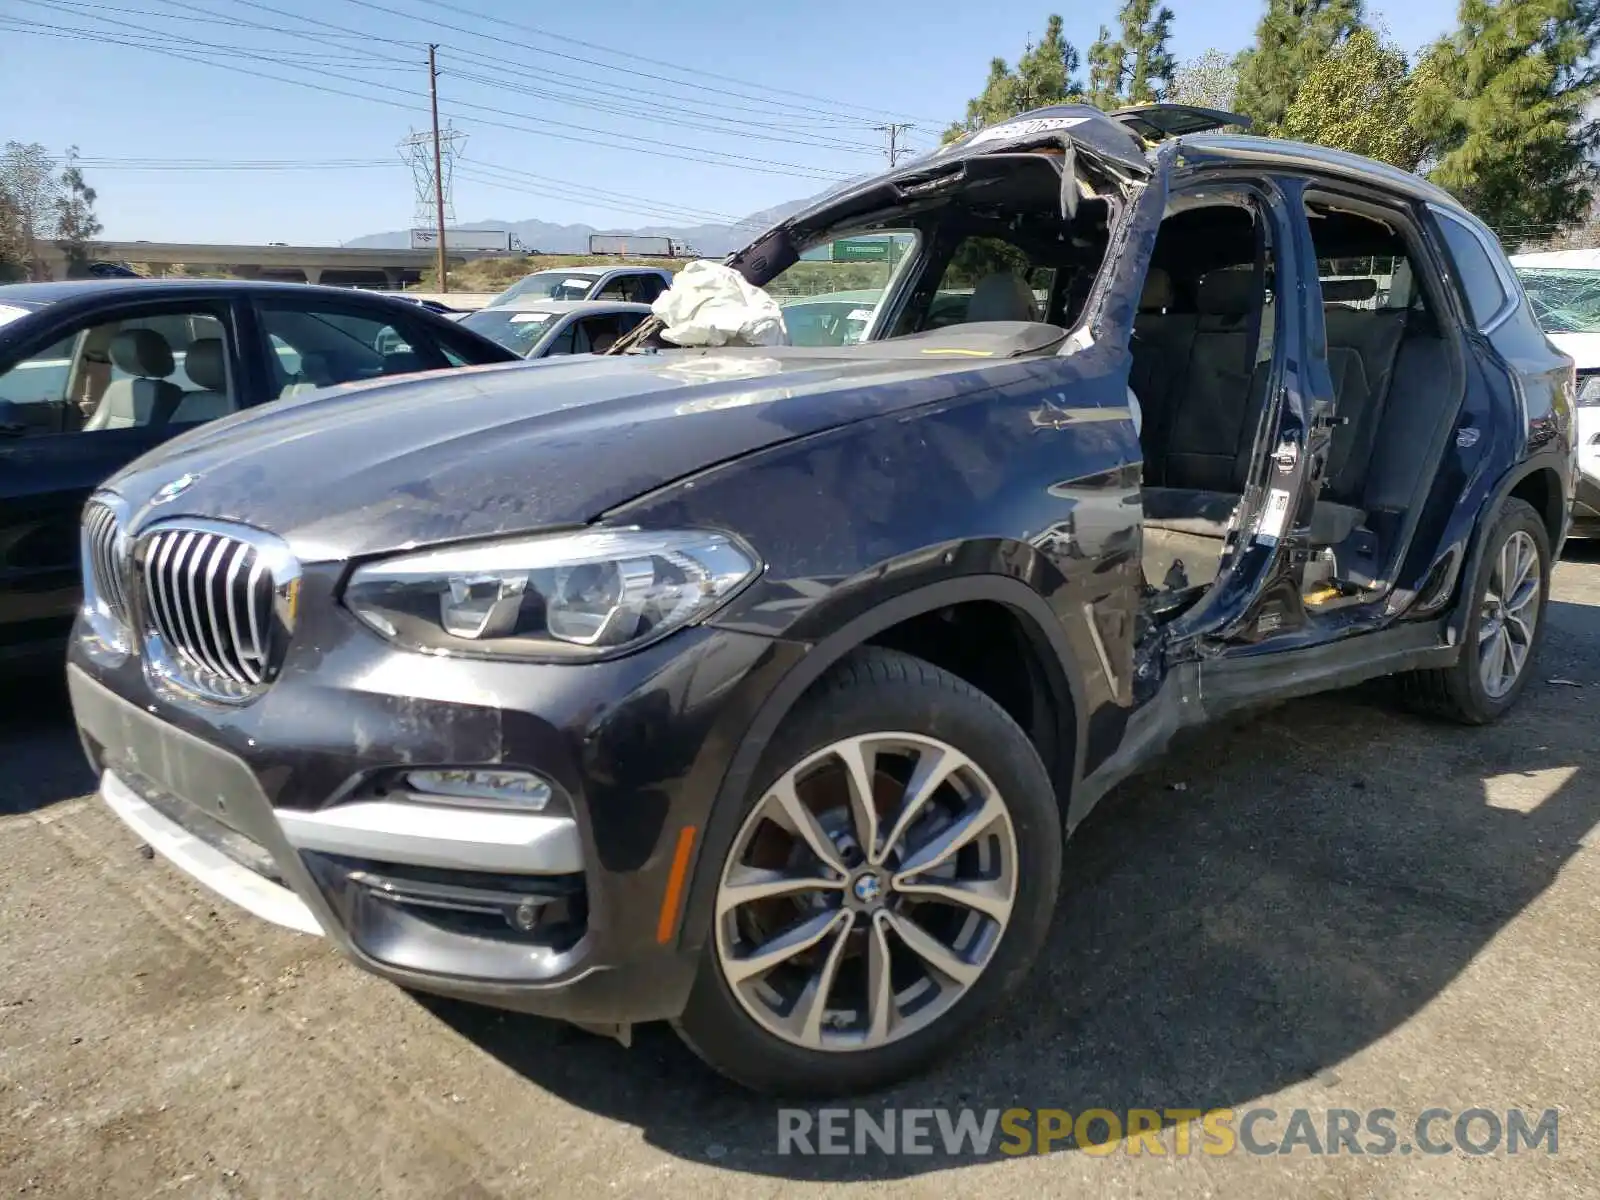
[1475,273]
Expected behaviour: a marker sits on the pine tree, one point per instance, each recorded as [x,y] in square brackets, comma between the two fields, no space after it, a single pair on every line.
[1505,107]
[1108,66]
[1047,73]
[1293,36]
[1358,98]
[1145,32]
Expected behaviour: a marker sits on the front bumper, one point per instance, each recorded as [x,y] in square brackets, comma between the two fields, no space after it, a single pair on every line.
[272,806]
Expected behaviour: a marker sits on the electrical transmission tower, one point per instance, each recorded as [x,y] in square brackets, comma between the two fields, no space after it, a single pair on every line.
[417,150]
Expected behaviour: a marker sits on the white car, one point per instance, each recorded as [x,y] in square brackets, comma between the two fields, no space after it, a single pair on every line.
[1564,287]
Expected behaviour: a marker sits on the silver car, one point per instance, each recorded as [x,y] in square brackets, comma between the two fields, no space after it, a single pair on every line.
[537,328]
[638,285]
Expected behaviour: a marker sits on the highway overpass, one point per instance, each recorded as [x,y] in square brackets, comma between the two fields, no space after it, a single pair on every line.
[344,266]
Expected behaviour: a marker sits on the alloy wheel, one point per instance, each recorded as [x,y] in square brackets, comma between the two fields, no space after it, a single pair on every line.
[1509,614]
[866,892]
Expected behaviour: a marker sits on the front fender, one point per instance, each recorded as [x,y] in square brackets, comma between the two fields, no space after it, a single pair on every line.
[1050,642]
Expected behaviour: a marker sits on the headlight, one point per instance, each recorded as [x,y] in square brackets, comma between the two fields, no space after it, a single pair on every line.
[1589,390]
[557,596]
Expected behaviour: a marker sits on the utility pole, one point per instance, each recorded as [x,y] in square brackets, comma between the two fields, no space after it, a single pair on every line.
[438,167]
[894,131]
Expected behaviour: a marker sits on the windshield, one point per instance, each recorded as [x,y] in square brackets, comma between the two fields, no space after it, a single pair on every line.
[518,331]
[1564,300]
[830,295]
[547,285]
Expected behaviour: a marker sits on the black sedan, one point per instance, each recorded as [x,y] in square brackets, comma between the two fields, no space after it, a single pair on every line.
[95,373]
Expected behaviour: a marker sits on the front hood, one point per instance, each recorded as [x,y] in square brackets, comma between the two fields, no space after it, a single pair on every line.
[392,464]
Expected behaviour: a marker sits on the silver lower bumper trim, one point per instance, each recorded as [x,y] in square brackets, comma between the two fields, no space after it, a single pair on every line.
[205,865]
[436,835]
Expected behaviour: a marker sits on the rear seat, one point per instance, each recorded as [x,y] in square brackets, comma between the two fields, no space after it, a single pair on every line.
[1162,341]
[1195,468]
[1199,472]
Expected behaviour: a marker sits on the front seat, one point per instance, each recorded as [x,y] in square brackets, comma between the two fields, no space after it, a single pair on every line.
[205,364]
[145,355]
[1002,296]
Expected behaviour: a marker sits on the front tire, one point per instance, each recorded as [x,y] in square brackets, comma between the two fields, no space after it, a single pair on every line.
[1506,628]
[892,880]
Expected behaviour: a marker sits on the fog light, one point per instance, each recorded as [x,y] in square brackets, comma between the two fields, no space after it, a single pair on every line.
[520,790]
[526,915]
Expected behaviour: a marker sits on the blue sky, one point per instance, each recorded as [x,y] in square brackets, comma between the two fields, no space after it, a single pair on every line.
[767,105]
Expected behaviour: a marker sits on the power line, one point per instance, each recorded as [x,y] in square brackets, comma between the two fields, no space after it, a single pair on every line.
[158,41]
[690,153]
[560,190]
[270,165]
[525,28]
[494,63]
[634,114]
[483,179]
[653,112]
[774,118]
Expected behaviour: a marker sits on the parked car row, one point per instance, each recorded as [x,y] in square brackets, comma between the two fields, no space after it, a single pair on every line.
[93,374]
[756,689]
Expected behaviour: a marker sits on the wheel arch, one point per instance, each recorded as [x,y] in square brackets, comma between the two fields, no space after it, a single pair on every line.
[1047,641]
[1537,481]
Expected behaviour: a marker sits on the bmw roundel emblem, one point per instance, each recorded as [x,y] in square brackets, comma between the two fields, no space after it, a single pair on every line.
[174,489]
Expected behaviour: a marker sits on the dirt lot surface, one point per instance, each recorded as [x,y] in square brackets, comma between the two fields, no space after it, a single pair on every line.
[1332,905]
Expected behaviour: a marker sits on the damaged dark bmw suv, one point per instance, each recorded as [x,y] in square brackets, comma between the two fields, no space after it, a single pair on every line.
[756,688]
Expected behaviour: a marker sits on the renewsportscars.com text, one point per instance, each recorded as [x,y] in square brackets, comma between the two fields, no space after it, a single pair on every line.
[1175,1132]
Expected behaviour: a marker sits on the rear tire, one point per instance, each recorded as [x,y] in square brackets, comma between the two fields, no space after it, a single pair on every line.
[947,768]
[1504,631]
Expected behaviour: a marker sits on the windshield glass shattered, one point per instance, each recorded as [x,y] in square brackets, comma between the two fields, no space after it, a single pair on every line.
[1564,300]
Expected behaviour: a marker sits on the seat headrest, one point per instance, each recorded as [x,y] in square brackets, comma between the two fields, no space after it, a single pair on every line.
[1158,293]
[1002,296]
[1402,286]
[202,362]
[1227,293]
[141,352]
[1346,291]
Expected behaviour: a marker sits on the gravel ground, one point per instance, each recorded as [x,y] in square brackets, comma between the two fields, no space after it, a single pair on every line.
[1333,905]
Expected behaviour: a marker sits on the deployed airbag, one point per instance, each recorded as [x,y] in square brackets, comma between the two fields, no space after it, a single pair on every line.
[710,304]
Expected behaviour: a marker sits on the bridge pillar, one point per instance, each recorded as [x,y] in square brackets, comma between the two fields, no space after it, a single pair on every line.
[313,274]
[394,278]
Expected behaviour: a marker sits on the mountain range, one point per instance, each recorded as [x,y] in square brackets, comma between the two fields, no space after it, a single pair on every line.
[711,241]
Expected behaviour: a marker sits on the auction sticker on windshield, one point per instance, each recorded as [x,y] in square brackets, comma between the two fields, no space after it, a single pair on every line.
[10,313]
[524,318]
[1024,129]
